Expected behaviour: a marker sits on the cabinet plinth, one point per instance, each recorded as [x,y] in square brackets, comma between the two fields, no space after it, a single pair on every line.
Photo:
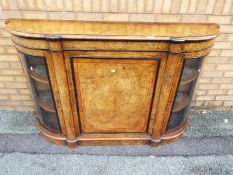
[108,83]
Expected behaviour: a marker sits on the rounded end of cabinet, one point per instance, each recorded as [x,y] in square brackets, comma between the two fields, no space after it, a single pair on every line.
[39,81]
[174,135]
[177,122]
[52,137]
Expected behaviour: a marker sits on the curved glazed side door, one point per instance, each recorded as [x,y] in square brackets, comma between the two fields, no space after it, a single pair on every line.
[184,93]
[38,72]
[38,68]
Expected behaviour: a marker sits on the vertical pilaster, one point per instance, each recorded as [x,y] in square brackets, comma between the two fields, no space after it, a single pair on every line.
[168,90]
[58,60]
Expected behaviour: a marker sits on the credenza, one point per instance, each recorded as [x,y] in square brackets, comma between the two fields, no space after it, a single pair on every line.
[108,83]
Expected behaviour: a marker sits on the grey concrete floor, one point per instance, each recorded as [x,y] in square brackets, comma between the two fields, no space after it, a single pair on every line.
[206,148]
[17,122]
[24,164]
[209,133]
[201,124]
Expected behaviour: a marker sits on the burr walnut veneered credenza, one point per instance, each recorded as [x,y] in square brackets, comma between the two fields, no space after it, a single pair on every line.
[105,83]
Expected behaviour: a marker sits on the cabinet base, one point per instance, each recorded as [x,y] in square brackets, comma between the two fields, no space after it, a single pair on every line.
[84,140]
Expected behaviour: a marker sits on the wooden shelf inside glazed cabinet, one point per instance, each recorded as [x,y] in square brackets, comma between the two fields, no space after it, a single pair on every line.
[180,103]
[109,83]
[46,101]
[38,78]
[191,76]
[44,97]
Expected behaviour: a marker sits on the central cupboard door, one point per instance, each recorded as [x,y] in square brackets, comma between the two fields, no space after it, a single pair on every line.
[114,95]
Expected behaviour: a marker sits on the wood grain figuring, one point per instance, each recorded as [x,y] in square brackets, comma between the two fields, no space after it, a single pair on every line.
[59,69]
[72,93]
[173,88]
[25,42]
[109,91]
[115,45]
[113,82]
[55,90]
[69,45]
[110,30]
[160,76]
[165,100]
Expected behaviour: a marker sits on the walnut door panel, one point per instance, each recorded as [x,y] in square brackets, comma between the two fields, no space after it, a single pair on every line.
[114,95]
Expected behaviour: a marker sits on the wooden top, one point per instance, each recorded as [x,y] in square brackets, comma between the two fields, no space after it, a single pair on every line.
[54,29]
